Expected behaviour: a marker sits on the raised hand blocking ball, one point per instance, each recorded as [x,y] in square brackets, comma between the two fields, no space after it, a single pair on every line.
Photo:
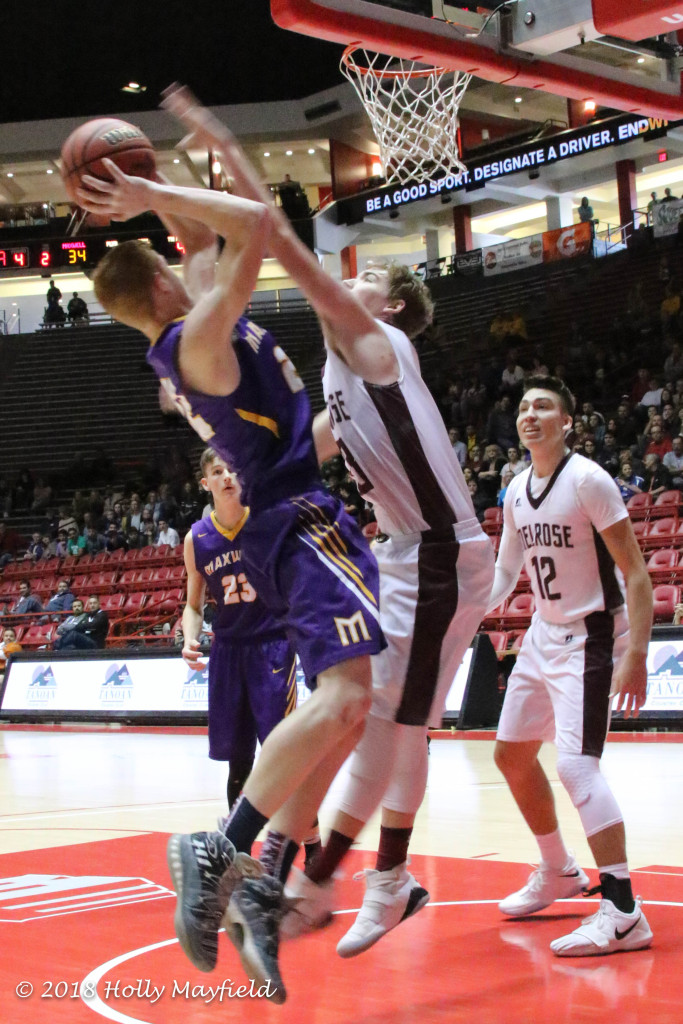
[124,143]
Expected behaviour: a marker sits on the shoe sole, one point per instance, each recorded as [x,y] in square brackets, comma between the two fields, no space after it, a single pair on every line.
[418,898]
[174,859]
[240,935]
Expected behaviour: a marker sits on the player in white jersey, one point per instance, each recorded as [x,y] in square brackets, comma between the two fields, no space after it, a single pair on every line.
[436,565]
[565,521]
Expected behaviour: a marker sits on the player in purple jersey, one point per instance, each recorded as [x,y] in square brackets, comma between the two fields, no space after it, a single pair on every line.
[305,557]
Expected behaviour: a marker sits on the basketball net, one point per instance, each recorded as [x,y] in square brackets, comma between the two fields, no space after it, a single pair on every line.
[413,109]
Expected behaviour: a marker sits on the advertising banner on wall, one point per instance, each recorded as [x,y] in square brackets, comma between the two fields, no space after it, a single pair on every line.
[666,217]
[513,255]
[564,243]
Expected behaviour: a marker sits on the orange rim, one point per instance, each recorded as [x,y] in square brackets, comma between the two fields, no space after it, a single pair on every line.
[348,62]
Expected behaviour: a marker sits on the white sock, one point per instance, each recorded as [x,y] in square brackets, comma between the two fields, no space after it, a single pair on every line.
[553,851]
[616,870]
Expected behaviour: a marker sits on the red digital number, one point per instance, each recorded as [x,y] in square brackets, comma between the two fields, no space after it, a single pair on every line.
[45,258]
[3,257]
[19,259]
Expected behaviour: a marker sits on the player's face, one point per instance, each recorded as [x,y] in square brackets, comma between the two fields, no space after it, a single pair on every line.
[221,482]
[371,288]
[541,419]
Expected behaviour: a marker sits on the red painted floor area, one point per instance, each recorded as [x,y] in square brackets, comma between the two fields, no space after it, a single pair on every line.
[100,912]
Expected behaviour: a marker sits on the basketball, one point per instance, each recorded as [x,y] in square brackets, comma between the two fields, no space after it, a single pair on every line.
[124,143]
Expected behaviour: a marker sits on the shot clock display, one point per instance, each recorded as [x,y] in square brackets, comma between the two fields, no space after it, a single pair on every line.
[14,258]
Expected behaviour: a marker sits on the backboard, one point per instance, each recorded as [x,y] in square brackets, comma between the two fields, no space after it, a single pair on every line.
[564,47]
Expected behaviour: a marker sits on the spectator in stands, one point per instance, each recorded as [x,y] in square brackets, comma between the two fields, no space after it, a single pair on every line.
[474,399]
[506,475]
[626,432]
[133,539]
[475,460]
[517,332]
[633,459]
[34,551]
[153,505]
[471,438]
[149,534]
[94,541]
[498,329]
[114,538]
[586,215]
[90,632]
[62,600]
[651,205]
[26,602]
[514,463]
[293,199]
[42,495]
[653,395]
[673,364]
[72,623]
[459,447]
[479,500]
[659,444]
[61,545]
[489,474]
[189,506]
[167,534]
[608,455]
[588,449]
[77,309]
[668,197]
[49,546]
[670,306]
[23,490]
[8,646]
[349,494]
[134,515]
[75,542]
[628,482]
[53,293]
[673,463]
[656,477]
[168,506]
[512,377]
[501,426]
[640,385]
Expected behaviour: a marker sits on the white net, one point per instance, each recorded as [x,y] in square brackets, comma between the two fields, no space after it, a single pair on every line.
[413,109]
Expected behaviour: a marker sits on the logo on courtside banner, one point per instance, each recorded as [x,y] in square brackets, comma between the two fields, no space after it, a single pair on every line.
[665,678]
[195,691]
[117,686]
[43,686]
[33,897]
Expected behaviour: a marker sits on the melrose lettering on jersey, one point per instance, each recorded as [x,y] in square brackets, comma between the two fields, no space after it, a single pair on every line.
[546,535]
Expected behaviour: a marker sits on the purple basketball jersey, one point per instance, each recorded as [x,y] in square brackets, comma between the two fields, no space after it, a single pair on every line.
[262,429]
[240,614]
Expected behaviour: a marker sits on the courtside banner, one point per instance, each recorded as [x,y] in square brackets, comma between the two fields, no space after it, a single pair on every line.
[666,216]
[512,255]
[565,243]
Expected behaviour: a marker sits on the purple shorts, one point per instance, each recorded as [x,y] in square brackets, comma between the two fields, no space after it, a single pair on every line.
[252,686]
[313,568]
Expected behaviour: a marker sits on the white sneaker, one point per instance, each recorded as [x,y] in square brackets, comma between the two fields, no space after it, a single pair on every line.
[544,886]
[310,905]
[608,931]
[390,897]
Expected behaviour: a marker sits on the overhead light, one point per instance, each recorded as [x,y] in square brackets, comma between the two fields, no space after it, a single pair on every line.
[289,152]
[641,60]
[589,106]
[377,170]
[50,171]
[518,99]
[10,174]
[267,153]
[176,160]
[216,167]
[134,87]
[311,152]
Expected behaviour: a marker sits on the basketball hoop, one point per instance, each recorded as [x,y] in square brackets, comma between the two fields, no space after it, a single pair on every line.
[413,108]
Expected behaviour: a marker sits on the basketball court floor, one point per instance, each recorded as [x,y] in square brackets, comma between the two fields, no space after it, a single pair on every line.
[86,907]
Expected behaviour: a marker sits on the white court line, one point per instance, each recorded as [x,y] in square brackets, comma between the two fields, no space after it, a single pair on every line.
[114,809]
[98,1006]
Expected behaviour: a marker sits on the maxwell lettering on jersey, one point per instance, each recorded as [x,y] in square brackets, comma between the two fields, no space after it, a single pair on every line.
[545,535]
[221,561]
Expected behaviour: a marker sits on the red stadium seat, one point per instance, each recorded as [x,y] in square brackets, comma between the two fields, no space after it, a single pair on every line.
[38,635]
[9,589]
[134,602]
[493,521]
[665,597]
[662,565]
[492,620]
[102,582]
[516,639]
[519,611]
[176,573]
[112,602]
[79,584]
[143,577]
[667,504]
[499,640]
[639,505]
[662,534]
[116,556]
[159,578]
[127,578]
[167,602]
[19,632]
[523,584]
[131,557]
[50,565]
[146,555]
[99,559]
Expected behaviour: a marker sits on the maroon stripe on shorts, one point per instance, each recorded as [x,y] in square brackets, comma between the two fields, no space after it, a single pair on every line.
[437,603]
[597,681]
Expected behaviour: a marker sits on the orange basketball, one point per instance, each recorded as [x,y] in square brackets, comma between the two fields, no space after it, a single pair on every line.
[124,143]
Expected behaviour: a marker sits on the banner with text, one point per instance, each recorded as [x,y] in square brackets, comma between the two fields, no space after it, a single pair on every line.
[666,217]
[564,243]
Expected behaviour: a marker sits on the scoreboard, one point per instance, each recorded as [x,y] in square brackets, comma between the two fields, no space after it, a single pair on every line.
[79,253]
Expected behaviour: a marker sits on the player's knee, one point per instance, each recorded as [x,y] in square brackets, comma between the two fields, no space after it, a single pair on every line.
[513,760]
[588,791]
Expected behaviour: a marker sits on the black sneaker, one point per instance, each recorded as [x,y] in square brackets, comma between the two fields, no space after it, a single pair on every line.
[252,921]
[205,869]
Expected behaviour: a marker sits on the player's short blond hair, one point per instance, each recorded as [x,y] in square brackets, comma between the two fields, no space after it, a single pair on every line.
[123,280]
[418,310]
